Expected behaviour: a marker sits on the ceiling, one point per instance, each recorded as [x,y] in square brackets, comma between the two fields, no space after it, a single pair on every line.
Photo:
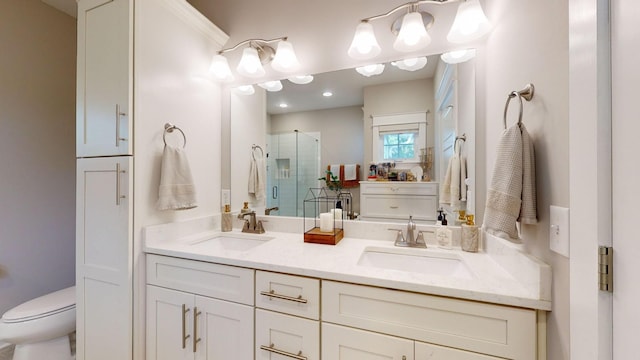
[320,31]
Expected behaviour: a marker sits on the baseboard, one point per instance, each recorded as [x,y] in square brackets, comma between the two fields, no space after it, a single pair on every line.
[6,351]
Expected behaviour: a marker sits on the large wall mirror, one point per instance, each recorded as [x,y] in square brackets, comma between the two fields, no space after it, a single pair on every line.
[301,131]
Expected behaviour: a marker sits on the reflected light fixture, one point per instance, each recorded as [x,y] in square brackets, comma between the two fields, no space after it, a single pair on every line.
[245,90]
[458,56]
[301,79]
[370,70]
[327,94]
[411,64]
[469,24]
[254,56]
[272,86]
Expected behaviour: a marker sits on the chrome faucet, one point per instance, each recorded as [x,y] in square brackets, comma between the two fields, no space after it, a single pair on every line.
[251,225]
[411,240]
[269,210]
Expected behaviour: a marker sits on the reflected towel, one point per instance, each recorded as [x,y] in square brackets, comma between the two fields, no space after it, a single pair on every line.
[511,196]
[257,179]
[350,172]
[453,190]
[176,191]
[335,171]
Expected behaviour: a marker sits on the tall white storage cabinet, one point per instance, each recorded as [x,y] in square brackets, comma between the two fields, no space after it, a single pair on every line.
[141,64]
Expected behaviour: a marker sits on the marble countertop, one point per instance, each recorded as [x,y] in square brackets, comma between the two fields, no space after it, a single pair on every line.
[497,274]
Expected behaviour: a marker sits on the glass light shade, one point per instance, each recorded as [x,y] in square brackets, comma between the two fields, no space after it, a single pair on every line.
[301,79]
[250,64]
[272,86]
[458,56]
[245,90]
[470,23]
[370,70]
[364,45]
[413,35]
[411,64]
[285,59]
[220,68]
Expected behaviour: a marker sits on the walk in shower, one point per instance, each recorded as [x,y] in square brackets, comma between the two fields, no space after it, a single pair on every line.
[293,166]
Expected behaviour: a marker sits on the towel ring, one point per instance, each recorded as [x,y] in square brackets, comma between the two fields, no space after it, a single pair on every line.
[168,128]
[526,93]
[253,151]
[462,137]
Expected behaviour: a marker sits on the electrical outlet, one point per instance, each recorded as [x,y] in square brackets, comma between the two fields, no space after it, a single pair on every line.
[559,230]
[226,196]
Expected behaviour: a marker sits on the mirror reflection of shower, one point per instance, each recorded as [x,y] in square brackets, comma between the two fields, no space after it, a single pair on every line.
[293,166]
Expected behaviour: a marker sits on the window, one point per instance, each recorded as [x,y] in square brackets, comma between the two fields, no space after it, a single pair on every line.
[399,146]
[399,138]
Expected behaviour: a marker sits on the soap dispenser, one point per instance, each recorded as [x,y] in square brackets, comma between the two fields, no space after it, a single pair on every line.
[245,209]
[444,235]
[469,235]
[439,221]
[227,219]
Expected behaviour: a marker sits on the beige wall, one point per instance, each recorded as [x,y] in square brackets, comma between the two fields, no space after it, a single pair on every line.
[341,136]
[37,150]
[530,44]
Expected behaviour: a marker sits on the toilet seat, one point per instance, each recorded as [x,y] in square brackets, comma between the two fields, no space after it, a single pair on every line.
[47,305]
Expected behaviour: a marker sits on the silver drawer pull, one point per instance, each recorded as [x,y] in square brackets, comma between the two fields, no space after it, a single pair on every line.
[272,294]
[393,206]
[185,336]
[270,348]
[119,114]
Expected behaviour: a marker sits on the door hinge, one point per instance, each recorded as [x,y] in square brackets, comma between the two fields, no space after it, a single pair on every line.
[605,268]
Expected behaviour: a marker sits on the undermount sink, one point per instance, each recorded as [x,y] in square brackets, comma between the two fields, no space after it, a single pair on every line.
[230,242]
[416,261]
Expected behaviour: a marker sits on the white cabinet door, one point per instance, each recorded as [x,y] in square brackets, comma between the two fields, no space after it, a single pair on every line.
[102,114]
[169,324]
[104,250]
[426,351]
[343,343]
[280,336]
[225,330]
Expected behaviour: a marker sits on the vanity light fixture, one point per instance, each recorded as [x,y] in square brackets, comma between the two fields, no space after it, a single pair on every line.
[301,79]
[458,56]
[370,70]
[412,64]
[469,24]
[272,86]
[257,54]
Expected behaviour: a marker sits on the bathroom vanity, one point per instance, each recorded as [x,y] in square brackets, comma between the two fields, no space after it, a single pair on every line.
[359,299]
[397,200]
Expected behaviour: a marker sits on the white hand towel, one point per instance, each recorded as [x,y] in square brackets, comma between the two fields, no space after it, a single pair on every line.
[350,172]
[257,179]
[505,190]
[528,210]
[176,191]
[335,171]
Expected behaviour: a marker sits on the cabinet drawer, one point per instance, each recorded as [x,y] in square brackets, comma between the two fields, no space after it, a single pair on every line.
[399,206]
[426,351]
[343,343]
[399,188]
[496,330]
[213,280]
[286,335]
[289,294]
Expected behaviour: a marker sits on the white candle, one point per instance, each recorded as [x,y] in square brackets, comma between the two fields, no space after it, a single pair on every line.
[337,214]
[326,222]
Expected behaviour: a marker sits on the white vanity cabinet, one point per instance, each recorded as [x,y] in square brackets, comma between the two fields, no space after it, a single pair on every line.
[438,327]
[103,81]
[287,316]
[396,200]
[198,310]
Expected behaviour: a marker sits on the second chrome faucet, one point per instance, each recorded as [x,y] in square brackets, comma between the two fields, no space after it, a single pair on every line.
[411,240]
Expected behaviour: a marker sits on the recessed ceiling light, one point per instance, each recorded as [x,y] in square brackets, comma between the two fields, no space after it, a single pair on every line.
[327,94]
[283,105]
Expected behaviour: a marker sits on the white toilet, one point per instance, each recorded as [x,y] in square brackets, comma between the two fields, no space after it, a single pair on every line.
[40,327]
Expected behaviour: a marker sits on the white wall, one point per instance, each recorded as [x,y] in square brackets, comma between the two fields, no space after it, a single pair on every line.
[37,147]
[530,44]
